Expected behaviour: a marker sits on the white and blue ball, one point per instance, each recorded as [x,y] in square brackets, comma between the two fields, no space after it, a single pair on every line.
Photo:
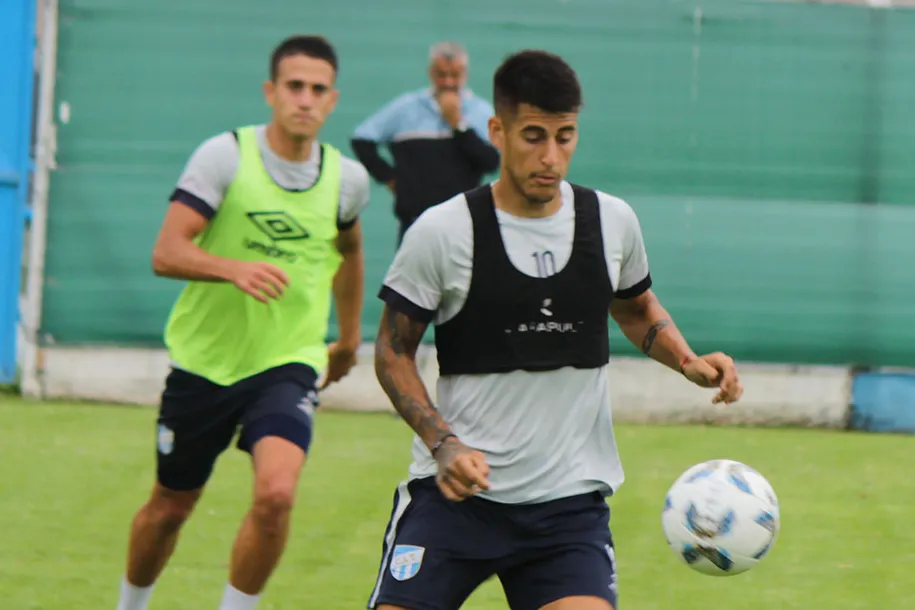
[721,517]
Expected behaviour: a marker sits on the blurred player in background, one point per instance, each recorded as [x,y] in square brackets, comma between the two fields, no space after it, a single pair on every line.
[264,223]
[438,138]
[510,473]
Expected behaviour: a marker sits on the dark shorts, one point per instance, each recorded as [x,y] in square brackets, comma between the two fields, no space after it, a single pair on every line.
[198,419]
[436,552]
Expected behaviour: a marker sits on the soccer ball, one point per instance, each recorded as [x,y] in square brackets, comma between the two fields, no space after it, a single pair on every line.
[720,517]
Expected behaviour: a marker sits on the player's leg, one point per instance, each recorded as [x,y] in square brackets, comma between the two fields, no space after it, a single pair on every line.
[154,532]
[261,540]
[195,424]
[435,553]
[153,536]
[565,559]
[277,432]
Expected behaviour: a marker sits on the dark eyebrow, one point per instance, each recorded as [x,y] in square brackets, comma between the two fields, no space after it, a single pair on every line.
[296,82]
[537,129]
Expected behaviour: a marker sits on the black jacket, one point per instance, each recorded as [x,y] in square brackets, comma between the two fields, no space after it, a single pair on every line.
[432,161]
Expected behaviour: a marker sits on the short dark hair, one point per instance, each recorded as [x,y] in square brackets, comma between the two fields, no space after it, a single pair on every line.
[536,78]
[311,46]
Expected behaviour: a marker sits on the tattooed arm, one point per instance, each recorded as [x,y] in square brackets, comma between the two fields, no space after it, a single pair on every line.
[462,471]
[647,324]
[395,367]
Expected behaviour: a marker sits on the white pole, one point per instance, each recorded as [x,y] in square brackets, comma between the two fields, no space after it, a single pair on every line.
[46,139]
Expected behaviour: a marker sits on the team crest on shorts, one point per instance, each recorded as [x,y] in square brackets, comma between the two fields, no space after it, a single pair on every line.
[166,440]
[406,561]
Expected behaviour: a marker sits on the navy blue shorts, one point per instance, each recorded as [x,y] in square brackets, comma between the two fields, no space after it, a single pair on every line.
[198,419]
[436,552]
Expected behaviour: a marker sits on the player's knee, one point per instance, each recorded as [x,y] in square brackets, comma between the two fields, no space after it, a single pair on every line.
[273,502]
[168,510]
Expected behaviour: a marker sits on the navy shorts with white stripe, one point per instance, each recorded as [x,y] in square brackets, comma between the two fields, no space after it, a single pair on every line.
[437,552]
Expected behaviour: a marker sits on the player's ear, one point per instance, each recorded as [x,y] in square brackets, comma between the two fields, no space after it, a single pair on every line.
[269,92]
[334,96]
[497,132]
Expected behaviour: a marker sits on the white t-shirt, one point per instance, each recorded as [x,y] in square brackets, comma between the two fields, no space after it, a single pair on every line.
[545,435]
[213,165]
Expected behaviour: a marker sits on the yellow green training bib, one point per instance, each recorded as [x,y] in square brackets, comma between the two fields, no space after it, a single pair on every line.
[217,331]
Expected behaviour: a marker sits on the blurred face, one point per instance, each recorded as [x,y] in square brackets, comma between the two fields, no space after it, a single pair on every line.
[448,74]
[302,96]
[536,148]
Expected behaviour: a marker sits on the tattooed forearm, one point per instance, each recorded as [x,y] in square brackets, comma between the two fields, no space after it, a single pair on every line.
[414,407]
[652,335]
[395,367]
[647,324]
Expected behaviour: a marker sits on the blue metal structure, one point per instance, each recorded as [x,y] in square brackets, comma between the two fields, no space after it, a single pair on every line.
[17,78]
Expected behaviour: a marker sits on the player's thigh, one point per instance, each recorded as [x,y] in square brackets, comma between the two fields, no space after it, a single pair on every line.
[281,406]
[435,552]
[277,466]
[197,420]
[569,563]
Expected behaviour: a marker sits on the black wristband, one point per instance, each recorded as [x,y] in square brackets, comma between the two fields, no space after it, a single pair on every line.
[438,444]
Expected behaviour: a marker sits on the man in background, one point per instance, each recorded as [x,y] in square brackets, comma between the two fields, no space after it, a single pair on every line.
[438,138]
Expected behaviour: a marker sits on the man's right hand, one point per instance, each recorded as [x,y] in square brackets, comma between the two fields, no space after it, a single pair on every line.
[450,103]
[462,471]
[392,186]
[262,281]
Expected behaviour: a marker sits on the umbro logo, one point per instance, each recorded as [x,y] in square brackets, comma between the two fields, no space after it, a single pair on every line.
[309,403]
[278,226]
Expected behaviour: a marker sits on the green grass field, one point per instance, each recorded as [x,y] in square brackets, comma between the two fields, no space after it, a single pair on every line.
[74,474]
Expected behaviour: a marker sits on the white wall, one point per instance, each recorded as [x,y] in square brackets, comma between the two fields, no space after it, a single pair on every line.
[642,390]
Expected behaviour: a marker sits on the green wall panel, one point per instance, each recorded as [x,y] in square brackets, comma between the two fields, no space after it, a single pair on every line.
[751,137]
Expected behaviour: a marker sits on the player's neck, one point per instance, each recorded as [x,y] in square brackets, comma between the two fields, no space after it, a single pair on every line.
[290,149]
[508,199]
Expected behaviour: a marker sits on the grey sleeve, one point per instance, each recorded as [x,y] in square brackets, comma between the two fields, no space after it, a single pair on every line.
[635,277]
[208,174]
[413,284]
[354,192]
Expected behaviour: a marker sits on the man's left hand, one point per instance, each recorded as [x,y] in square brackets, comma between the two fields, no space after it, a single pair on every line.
[450,103]
[341,359]
[715,370]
